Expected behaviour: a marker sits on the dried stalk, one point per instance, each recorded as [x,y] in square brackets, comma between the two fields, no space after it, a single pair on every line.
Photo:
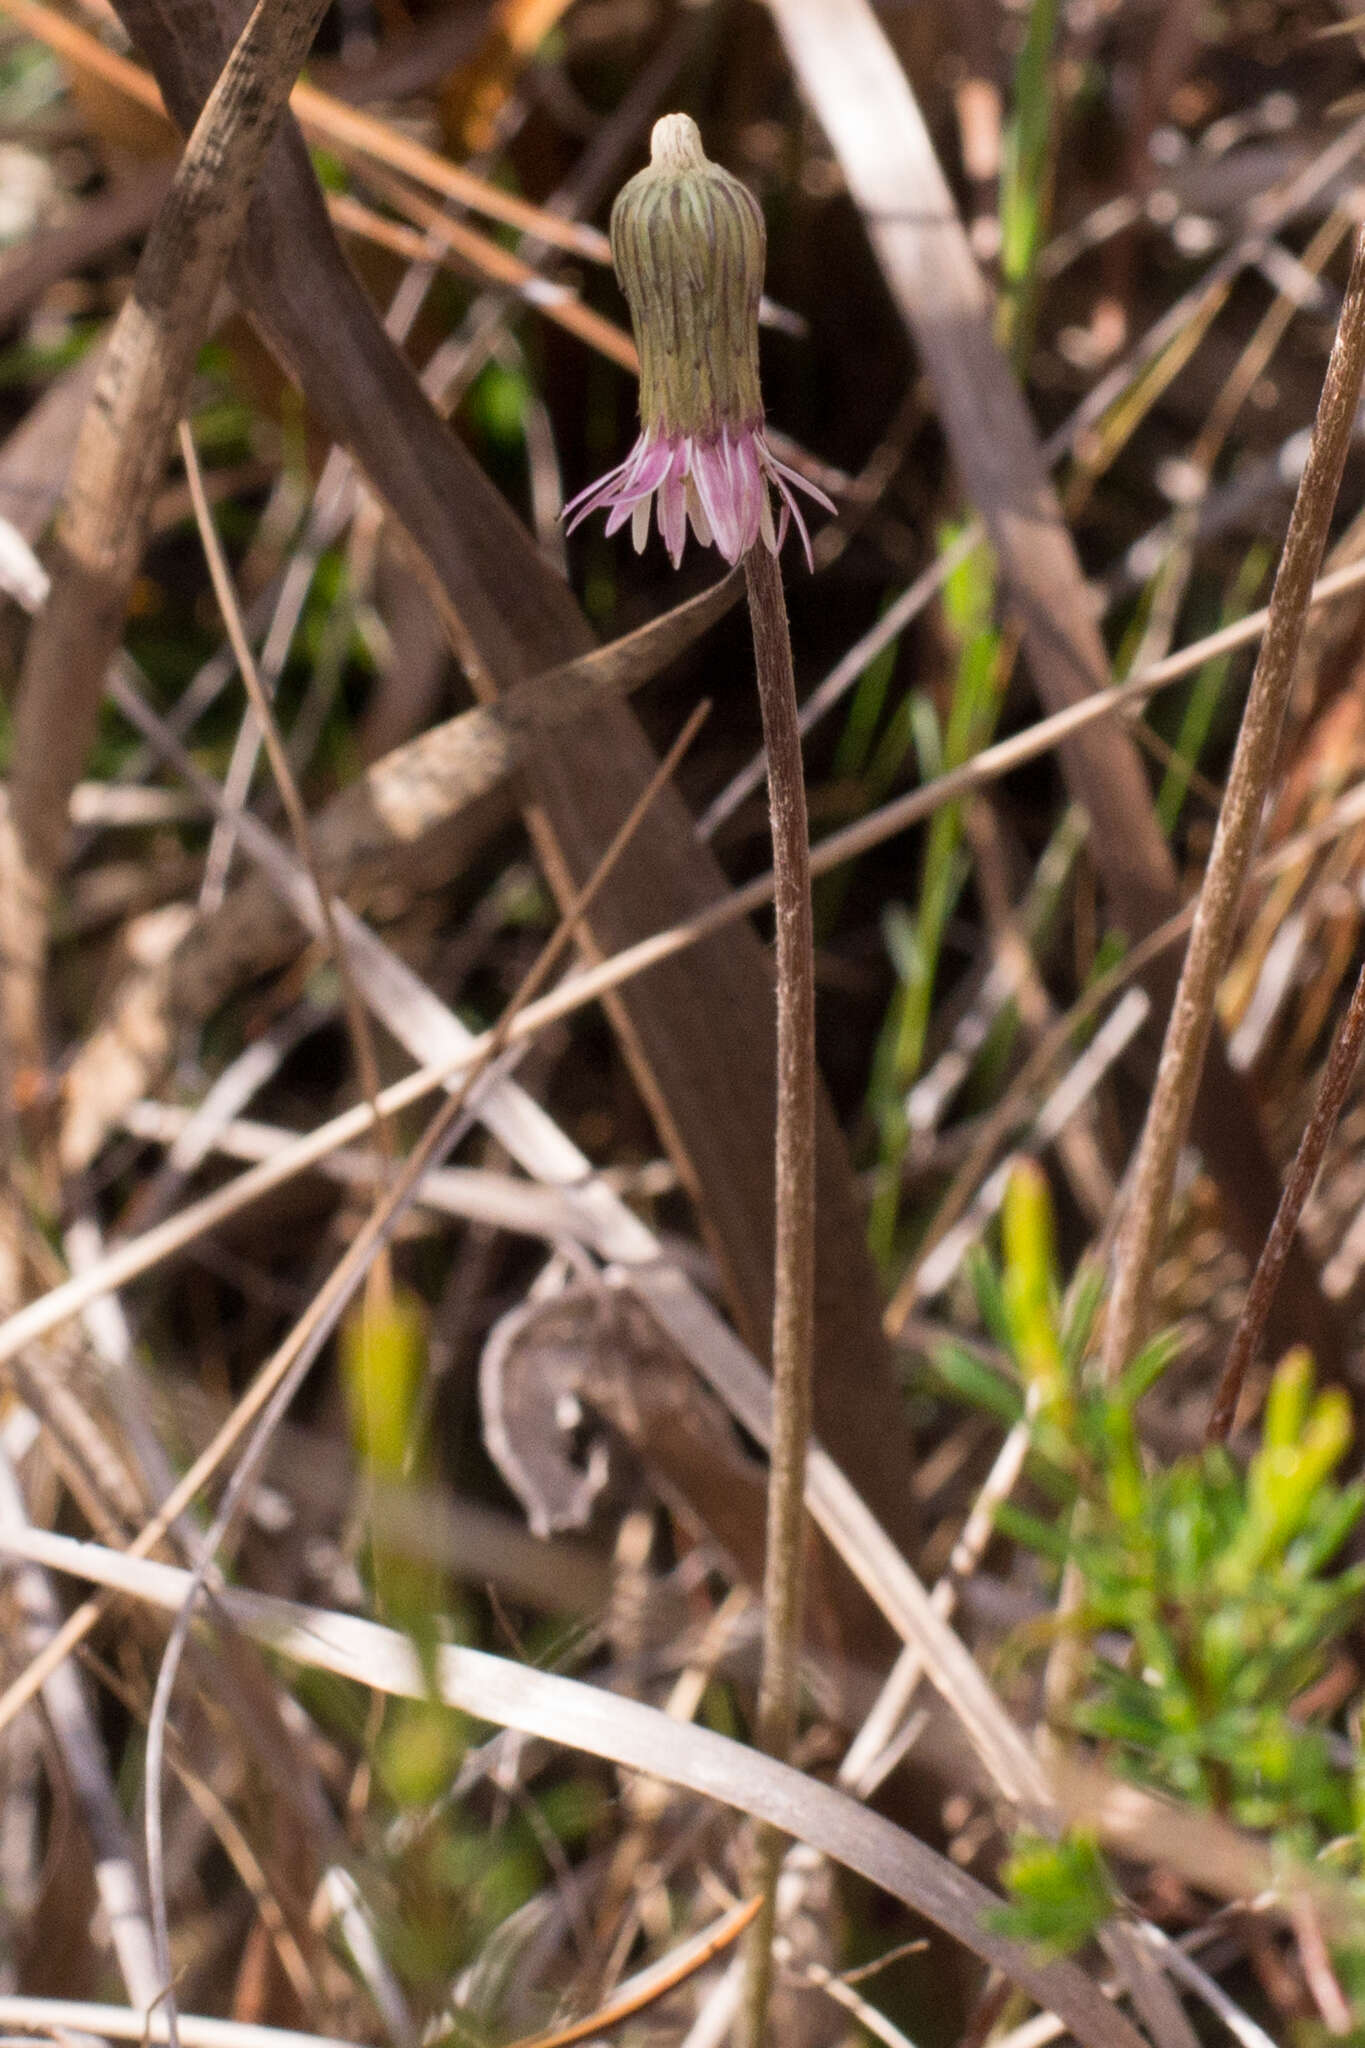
[1342,1062]
[357,1017]
[1191,1020]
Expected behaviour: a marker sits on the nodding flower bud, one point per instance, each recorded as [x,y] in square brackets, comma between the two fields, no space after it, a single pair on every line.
[688,243]
[689,246]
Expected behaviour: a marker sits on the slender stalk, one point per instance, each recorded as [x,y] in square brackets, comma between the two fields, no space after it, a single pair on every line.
[357,1017]
[1342,1062]
[794,1238]
[1191,1019]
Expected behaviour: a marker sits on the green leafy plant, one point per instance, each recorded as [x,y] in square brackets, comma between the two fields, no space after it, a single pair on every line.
[1026,177]
[1212,1599]
[1060,1892]
[1219,1581]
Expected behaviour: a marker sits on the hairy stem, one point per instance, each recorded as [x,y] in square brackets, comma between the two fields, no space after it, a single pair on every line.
[1191,1019]
[794,1233]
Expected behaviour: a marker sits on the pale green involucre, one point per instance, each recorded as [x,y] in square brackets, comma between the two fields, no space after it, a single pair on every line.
[689,245]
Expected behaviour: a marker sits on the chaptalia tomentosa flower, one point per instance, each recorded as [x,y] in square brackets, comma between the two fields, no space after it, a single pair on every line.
[688,243]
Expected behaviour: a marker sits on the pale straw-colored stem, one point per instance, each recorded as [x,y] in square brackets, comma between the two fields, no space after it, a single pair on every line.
[1253,763]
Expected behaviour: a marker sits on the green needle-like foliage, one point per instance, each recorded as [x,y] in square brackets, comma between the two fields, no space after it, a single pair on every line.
[1213,1598]
[1060,1893]
[1219,1580]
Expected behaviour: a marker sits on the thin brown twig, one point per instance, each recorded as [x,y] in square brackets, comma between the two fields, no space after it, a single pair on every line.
[466,250]
[1191,1019]
[651,1984]
[357,1017]
[1342,1061]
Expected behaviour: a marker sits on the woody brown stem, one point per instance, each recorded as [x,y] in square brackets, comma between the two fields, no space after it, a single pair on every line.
[1342,1062]
[794,1231]
[1253,763]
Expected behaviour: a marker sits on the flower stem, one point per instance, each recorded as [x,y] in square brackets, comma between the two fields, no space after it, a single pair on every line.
[794,1234]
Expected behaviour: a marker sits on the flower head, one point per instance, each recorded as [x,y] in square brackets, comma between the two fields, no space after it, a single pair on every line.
[688,243]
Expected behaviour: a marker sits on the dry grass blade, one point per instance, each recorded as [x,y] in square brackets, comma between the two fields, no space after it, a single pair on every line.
[72,2016]
[843,1993]
[486,259]
[1238,2023]
[475,1193]
[353,131]
[655,1982]
[874,1751]
[637,1737]
[76,1732]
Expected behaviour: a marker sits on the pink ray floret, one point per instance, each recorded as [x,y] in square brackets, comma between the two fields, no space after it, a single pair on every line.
[719,482]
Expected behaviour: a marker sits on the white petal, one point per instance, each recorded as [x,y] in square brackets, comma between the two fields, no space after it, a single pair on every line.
[696,512]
